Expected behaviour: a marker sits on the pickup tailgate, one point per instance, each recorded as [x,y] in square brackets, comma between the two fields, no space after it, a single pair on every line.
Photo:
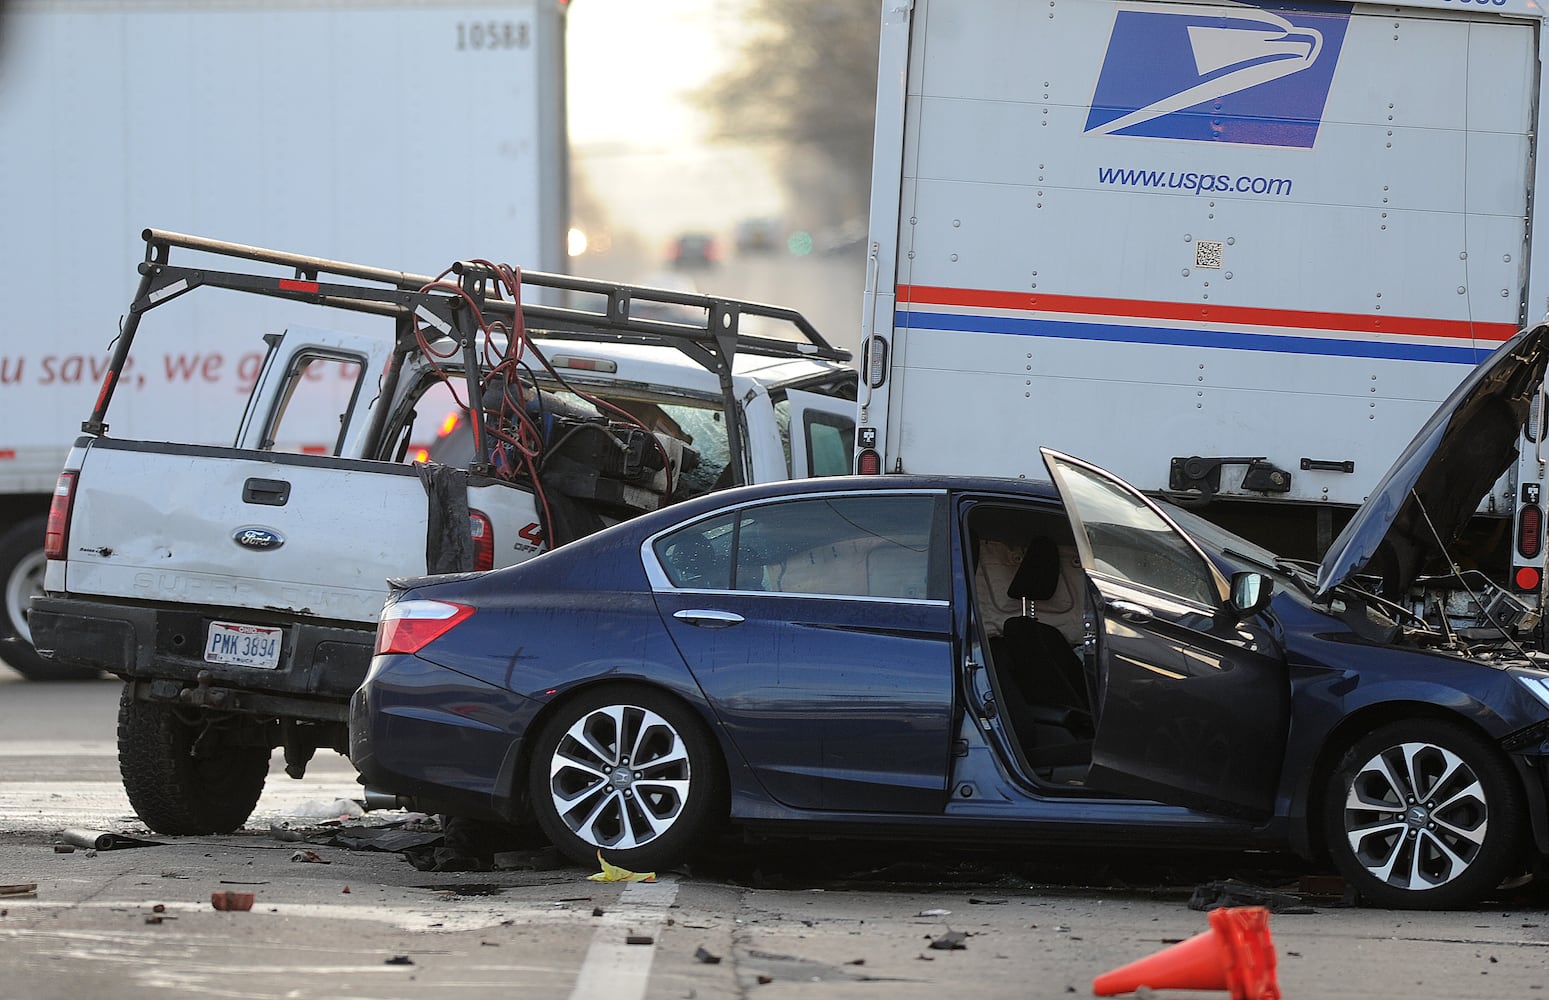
[233,529]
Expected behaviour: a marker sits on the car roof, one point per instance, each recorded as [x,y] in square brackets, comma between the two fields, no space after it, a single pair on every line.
[1022,488]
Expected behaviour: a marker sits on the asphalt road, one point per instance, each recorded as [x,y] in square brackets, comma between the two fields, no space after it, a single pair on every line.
[783,920]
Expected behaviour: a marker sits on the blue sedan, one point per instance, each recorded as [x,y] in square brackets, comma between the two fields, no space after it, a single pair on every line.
[1061,662]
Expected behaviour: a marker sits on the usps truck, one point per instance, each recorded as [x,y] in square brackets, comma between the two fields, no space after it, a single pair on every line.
[1235,252]
[417,132]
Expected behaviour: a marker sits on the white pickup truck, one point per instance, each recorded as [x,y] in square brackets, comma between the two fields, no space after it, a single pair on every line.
[236,589]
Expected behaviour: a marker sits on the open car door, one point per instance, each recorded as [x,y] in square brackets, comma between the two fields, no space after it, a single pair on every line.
[1193,705]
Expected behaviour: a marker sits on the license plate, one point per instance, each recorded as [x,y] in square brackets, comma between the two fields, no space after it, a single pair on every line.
[239,645]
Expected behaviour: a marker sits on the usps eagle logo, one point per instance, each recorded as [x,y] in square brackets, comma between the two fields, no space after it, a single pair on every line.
[1258,75]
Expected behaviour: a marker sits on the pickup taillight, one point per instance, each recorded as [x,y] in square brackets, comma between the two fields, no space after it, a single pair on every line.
[56,538]
[483,531]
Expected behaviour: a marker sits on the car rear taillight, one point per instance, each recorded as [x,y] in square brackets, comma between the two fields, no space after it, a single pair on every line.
[483,531]
[56,538]
[410,626]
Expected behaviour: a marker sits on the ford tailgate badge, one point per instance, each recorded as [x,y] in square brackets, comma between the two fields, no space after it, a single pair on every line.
[257,538]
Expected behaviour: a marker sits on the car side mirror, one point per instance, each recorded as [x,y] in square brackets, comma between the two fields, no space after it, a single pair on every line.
[1250,593]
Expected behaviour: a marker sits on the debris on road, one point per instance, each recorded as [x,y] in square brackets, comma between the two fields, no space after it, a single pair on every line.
[231,901]
[103,840]
[950,941]
[706,956]
[934,913]
[1231,892]
[613,873]
[21,890]
[399,960]
[309,857]
[338,809]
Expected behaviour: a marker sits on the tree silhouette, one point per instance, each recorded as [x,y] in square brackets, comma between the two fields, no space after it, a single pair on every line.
[804,87]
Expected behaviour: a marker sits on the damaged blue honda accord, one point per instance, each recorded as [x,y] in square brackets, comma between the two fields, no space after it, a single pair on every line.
[1061,662]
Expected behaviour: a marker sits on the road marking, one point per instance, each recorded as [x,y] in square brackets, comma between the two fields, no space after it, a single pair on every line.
[612,969]
[58,748]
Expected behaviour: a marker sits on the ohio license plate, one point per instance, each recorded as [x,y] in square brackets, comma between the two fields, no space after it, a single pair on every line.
[239,645]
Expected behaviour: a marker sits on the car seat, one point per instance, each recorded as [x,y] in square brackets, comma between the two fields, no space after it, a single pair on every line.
[1042,671]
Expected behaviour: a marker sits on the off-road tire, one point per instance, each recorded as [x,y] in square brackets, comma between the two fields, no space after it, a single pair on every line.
[1424,813]
[678,777]
[174,792]
[21,576]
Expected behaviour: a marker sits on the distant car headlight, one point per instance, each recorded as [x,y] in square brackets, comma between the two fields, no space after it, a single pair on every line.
[1536,683]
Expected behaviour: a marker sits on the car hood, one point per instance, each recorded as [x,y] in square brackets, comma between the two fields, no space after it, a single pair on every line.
[1450,465]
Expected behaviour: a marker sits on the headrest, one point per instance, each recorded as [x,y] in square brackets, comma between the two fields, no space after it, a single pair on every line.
[1039,575]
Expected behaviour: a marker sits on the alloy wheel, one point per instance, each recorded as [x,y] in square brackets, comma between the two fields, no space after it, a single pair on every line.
[620,776]
[1416,816]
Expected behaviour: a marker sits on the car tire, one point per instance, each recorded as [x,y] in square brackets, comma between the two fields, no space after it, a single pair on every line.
[1423,813]
[643,814]
[175,792]
[21,576]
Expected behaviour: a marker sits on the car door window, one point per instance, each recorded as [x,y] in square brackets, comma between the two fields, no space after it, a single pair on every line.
[869,546]
[1127,539]
[846,546]
[699,557]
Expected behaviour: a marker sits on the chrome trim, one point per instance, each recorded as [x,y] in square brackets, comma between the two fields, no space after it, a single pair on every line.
[708,617]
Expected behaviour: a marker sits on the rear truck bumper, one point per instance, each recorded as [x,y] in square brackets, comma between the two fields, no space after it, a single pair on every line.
[161,649]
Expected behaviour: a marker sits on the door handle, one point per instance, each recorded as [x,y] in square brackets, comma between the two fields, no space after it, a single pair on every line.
[271,492]
[1135,614]
[705,618]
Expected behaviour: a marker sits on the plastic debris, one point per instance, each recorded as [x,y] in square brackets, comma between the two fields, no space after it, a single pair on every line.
[613,873]
[706,956]
[1231,892]
[934,913]
[310,857]
[337,809]
[233,901]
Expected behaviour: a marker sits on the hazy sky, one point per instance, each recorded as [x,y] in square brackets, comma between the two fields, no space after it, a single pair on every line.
[635,134]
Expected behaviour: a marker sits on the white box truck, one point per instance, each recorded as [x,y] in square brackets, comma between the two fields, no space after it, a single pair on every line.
[408,131]
[1234,252]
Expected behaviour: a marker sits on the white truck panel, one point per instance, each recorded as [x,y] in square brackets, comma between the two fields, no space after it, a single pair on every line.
[324,125]
[1070,241]
[182,548]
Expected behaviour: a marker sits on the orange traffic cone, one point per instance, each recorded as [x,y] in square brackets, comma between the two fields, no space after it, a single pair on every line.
[1236,954]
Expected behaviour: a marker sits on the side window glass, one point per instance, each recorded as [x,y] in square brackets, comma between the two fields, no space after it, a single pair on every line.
[869,546]
[315,405]
[1131,541]
[698,557]
[830,444]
